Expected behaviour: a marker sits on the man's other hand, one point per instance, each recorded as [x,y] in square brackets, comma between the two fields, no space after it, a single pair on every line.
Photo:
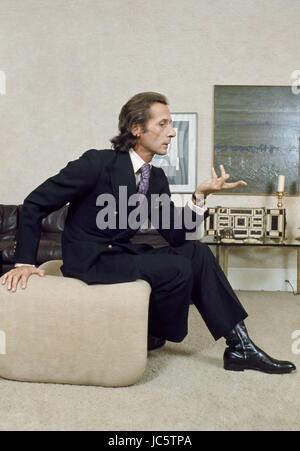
[20,276]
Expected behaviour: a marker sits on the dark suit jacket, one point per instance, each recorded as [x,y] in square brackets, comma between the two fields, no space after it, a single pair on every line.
[90,254]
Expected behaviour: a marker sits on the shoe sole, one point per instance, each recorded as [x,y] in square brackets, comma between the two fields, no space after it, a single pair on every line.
[234,367]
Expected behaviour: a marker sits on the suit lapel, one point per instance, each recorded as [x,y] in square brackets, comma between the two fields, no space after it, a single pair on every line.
[155,182]
[122,174]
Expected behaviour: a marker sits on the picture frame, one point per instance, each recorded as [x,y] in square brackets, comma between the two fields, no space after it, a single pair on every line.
[180,162]
[257,136]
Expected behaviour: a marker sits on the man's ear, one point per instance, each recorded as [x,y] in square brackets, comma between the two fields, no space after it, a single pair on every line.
[136,130]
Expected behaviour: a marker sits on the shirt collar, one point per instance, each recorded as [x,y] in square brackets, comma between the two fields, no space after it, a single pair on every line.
[137,161]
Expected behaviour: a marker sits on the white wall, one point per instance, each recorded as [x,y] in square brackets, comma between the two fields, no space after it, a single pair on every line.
[71,64]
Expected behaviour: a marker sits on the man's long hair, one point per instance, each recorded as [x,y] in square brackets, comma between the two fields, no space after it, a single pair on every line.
[135,111]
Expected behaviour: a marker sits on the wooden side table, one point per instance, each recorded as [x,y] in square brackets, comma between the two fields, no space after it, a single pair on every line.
[222,251]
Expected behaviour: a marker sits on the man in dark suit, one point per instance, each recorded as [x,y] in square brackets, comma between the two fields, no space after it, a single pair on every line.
[102,218]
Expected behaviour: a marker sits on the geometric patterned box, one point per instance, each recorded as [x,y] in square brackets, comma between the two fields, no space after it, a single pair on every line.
[245,223]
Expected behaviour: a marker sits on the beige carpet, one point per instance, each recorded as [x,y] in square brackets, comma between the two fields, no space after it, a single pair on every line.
[184,387]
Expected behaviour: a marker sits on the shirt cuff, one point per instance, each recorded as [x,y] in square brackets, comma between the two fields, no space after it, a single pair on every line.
[17,265]
[199,209]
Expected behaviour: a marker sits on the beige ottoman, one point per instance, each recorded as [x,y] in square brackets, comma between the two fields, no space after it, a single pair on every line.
[61,330]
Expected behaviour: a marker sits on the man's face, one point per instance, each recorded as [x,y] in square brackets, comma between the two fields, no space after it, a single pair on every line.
[158,131]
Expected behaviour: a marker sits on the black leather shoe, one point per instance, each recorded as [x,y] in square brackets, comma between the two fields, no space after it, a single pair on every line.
[155,342]
[242,354]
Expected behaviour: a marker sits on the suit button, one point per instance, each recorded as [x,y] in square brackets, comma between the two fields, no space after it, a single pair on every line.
[109,246]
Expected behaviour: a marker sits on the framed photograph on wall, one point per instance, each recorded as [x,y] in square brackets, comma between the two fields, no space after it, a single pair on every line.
[180,162]
[257,136]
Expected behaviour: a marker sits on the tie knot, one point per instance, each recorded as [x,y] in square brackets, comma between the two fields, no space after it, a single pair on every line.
[145,169]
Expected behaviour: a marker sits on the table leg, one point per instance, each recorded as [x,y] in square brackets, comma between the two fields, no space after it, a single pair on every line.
[225,264]
[223,259]
[298,272]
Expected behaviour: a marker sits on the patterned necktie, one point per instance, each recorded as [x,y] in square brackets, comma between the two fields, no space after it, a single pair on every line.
[145,175]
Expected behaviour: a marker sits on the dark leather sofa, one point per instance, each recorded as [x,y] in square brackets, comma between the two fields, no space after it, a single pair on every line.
[50,243]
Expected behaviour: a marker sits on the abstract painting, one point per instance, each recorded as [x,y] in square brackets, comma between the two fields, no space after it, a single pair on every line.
[256,136]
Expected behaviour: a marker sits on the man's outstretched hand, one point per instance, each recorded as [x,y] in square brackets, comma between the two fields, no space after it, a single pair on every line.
[216,184]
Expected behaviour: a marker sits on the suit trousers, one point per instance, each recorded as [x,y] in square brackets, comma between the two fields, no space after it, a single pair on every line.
[185,273]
